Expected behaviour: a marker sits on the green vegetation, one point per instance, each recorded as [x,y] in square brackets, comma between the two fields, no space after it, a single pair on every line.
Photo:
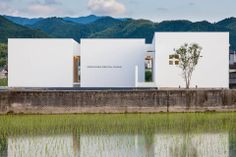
[3,55]
[148,76]
[117,123]
[107,27]
[188,55]
[9,29]
[3,146]
[3,82]
[57,27]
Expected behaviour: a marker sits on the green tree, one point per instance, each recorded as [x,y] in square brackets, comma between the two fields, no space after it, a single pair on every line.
[3,55]
[148,76]
[189,55]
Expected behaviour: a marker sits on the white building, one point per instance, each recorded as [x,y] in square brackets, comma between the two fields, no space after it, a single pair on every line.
[212,69]
[111,62]
[41,62]
[117,63]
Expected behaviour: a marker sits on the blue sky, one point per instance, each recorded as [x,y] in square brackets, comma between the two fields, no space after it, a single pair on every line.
[156,10]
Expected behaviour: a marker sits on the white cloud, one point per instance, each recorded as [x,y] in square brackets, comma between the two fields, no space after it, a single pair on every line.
[43,10]
[7,10]
[46,8]
[51,2]
[161,9]
[106,7]
[35,8]
[191,3]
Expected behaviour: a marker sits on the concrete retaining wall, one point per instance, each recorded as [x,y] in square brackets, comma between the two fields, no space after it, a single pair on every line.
[116,101]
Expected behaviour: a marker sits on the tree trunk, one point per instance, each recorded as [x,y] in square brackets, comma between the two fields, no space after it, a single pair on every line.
[188,83]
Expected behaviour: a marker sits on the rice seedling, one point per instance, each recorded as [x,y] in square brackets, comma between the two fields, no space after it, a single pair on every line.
[131,132]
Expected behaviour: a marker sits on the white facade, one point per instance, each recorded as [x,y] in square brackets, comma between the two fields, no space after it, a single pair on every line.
[41,62]
[212,70]
[116,63]
[111,62]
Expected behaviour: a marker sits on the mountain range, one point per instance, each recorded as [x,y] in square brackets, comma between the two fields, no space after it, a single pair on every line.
[106,27]
[9,29]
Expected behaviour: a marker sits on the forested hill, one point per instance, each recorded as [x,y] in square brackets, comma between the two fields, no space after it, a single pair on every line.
[107,27]
[9,29]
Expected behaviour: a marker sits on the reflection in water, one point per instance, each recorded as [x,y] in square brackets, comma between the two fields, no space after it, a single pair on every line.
[158,145]
[193,145]
[3,147]
[114,145]
[41,146]
[232,145]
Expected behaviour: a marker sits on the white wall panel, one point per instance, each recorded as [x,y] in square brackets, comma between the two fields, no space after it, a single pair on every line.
[111,62]
[212,70]
[40,62]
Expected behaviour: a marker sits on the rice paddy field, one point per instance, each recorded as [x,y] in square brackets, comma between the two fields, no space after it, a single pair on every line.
[119,135]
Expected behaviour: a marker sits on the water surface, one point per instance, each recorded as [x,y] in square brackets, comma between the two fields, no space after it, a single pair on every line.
[119,135]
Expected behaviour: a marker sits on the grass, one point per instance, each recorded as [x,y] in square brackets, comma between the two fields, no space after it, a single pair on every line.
[117,123]
[3,82]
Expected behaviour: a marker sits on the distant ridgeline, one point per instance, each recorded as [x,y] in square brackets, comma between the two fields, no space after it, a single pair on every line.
[105,27]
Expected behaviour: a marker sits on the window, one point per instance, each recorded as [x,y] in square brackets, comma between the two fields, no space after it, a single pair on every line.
[176,56]
[76,69]
[148,68]
[171,56]
[174,59]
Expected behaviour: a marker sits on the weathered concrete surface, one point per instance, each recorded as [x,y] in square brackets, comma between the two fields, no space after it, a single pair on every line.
[116,101]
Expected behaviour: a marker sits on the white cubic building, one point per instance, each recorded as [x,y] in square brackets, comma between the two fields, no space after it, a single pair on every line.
[41,62]
[111,62]
[212,69]
[116,63]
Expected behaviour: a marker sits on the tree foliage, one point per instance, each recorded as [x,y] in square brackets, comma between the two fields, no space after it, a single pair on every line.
[3,55]
[189,55]
[9,29]
[148,76]
[107,27]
